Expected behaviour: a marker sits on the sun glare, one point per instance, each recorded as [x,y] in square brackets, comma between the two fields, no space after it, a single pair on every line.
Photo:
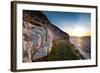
[79,32]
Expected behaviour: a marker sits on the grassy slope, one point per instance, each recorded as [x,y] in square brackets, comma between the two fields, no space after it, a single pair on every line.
[62,50]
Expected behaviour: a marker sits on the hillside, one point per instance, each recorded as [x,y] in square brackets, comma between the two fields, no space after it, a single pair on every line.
[43,41]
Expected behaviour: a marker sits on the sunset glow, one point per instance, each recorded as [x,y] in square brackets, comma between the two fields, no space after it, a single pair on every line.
[79,32]
[74,23]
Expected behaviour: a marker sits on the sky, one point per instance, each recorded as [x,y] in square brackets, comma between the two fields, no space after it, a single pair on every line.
[73,23]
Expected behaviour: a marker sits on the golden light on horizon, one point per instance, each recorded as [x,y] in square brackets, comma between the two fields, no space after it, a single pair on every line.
[79,32]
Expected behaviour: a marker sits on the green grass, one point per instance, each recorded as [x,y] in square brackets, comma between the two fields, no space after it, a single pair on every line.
[62,50]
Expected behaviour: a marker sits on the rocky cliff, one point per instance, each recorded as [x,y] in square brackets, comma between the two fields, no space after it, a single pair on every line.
[40,36]
[39,19]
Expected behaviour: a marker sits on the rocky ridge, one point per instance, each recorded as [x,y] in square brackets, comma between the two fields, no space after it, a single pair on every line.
[39,36]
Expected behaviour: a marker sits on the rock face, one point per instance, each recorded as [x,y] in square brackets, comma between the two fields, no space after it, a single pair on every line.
[39,35]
